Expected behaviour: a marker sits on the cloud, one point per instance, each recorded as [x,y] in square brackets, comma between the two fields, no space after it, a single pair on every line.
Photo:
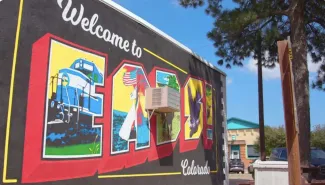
[274,73]
[229,81]
[175,3]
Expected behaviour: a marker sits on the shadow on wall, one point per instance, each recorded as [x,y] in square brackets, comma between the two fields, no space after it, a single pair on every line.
[215,154]
[165,120]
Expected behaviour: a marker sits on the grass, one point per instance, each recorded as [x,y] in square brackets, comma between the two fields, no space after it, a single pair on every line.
[81,149]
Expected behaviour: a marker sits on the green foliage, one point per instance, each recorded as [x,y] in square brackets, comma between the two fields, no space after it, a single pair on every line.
[274,137]
[236,32]
[318,137]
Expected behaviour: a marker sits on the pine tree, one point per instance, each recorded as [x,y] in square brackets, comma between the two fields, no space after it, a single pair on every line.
[235,35]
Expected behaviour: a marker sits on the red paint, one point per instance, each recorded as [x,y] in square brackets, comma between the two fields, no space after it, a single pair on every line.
[113,162]
[207,143]
[166,149]
[188,145]
[34,168]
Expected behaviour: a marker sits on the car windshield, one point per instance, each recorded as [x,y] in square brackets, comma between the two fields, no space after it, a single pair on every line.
[317,154]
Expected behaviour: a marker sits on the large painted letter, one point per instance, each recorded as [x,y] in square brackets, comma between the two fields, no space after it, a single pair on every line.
[129,129]
[166,126]
[209,117]
[193,110]
[63,106]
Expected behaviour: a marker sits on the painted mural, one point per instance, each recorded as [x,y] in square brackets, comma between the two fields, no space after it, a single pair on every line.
[69,129]
[129,117]
[209,110]
[168,125]
[74,92]
[193,98]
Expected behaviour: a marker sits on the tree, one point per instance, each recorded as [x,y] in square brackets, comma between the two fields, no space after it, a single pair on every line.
[274,137]
[234,36]
[318,137]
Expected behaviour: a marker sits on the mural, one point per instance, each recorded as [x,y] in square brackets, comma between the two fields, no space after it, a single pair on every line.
[72,102]
[75,95]
[168,125]
[129,119]
[193,108]
[208,97]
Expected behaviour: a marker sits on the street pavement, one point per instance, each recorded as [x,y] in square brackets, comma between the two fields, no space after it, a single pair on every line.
[235,179]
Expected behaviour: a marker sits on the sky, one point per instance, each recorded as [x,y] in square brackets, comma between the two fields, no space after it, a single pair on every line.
[190,27]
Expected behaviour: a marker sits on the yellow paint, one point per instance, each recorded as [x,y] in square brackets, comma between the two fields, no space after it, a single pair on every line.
[139,175]
[164,60]
[62,56]
[209,104]
[12,82]
[144,175]
[194,85]
[121,94]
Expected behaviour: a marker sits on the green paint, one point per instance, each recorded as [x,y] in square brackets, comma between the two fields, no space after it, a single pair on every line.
[175,125]
[82,149]
[208,90]
[172,82]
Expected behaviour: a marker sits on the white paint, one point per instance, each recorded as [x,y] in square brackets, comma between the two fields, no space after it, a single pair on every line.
[194,169]
[76,18]
[85,110]
[112,115]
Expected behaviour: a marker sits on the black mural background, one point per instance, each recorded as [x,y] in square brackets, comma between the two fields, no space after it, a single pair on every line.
[44,16]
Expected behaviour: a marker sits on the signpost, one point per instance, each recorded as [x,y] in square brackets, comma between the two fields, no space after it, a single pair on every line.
[292,139]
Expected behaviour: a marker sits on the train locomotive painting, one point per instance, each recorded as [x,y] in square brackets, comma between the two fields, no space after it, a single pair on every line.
[72,104]
[73,87]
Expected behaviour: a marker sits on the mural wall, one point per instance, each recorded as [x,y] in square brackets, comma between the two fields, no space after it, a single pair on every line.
[72,91]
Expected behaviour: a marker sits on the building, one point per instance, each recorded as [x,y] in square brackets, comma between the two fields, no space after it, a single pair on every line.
[242,135]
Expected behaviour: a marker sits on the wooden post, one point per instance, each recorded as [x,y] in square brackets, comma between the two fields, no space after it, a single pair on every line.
[289,113]
[260,98]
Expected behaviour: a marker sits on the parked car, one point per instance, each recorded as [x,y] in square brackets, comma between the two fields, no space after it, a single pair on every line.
[250,166]
[236,165]
[317,159]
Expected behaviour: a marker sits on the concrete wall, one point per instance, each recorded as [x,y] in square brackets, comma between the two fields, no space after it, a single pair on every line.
[248,135]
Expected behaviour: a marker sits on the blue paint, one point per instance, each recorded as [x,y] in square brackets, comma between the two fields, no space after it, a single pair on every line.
[142,136]
[54,136]
[143,132]
[237,124]
[162,78]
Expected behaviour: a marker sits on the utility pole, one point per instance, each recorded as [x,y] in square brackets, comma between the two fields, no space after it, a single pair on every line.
[289,112]
[260,97]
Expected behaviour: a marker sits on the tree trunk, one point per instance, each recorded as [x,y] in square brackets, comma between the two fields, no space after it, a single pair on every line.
[301,78]
[260,98]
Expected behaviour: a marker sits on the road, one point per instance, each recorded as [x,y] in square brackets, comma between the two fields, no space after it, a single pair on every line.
[235,179]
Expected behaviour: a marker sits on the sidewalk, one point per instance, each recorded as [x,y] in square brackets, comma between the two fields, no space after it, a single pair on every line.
[237,179]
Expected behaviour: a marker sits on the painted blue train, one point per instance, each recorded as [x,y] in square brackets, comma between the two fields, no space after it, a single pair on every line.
[74,93]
